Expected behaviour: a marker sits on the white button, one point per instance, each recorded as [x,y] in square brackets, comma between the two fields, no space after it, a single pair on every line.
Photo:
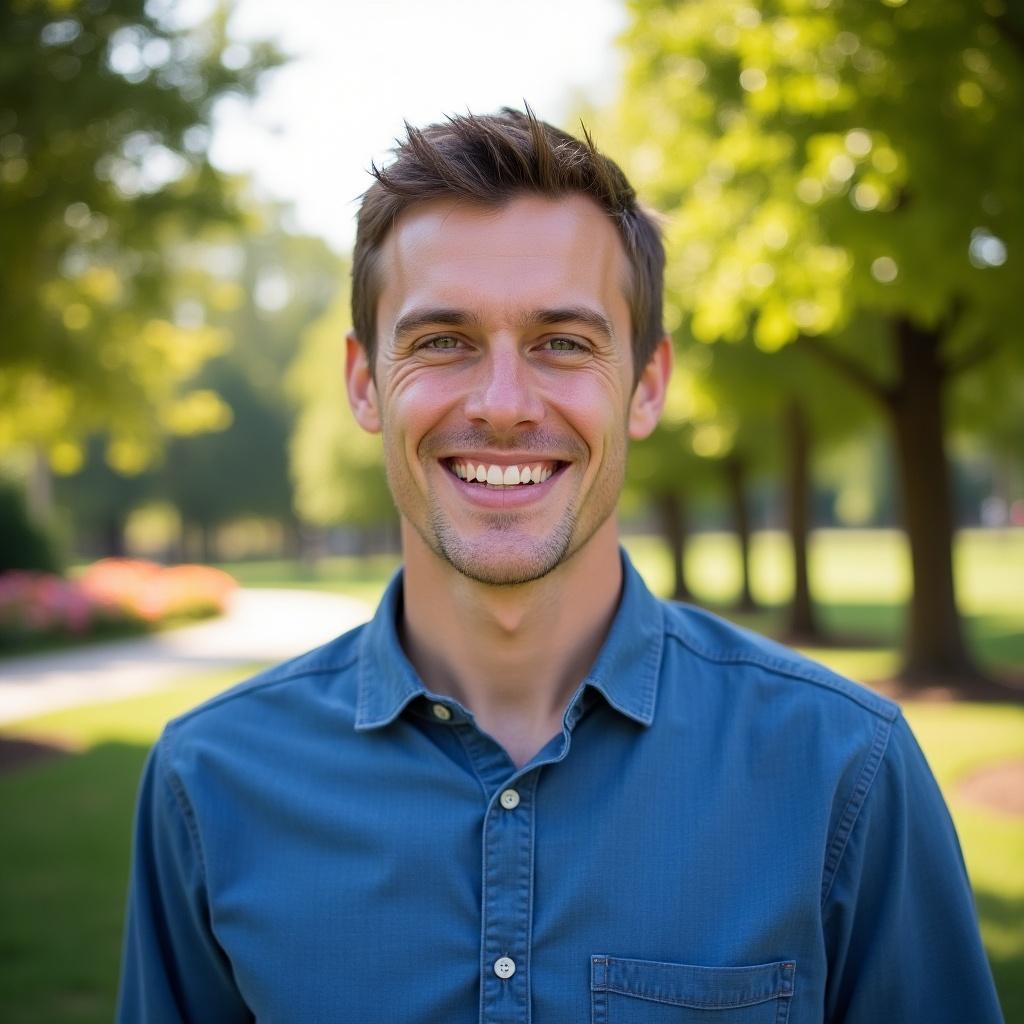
[440,711]
[504,967]
[509,799]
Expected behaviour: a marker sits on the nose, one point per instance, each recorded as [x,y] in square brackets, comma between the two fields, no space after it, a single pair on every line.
[504,396]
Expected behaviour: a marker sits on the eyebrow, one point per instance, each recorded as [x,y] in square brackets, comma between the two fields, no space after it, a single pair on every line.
[417,319]
[597,322]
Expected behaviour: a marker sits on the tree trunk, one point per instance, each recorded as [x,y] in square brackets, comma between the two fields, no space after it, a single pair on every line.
[671,509]
[934,644]
[736,480]
[803,624]
[39,490]
[112,538]
[207,542]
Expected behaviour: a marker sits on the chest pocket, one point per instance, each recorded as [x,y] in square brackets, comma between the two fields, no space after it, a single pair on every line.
[648,992]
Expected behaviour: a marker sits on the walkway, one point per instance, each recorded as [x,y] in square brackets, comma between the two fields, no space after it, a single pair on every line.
[261,626]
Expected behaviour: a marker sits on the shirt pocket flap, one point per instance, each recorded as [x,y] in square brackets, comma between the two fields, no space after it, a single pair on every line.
[696,987]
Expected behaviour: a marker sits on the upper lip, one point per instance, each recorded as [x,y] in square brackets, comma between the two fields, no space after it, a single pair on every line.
[503,459]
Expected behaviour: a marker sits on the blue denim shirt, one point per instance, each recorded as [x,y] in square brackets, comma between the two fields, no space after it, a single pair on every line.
[722,832]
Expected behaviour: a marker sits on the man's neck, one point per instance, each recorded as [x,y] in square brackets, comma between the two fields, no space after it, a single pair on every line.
[515,655]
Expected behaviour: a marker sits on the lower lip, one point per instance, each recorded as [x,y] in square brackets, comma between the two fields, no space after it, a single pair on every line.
[519,496]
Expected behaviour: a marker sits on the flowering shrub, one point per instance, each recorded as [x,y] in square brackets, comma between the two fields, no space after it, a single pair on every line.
[110,594]
[151,592]
[36,602]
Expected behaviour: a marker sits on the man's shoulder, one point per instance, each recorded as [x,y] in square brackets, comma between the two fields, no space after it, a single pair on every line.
[749,656]
[324,675]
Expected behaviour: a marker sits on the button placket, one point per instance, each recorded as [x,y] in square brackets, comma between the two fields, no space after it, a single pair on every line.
[507,901]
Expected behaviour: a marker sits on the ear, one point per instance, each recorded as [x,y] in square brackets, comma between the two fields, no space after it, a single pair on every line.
[362,391]
[649,395]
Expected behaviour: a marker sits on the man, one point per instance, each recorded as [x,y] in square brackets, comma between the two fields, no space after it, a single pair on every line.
[528,790]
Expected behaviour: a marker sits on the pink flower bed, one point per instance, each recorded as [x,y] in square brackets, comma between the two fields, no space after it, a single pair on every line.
[111,592]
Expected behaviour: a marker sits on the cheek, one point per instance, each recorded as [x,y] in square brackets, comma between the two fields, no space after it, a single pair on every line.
[413,409]
[593,411]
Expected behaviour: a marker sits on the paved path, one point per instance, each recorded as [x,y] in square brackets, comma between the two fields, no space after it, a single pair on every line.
[261,626]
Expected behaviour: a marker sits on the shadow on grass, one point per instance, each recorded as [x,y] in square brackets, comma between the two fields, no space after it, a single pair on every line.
[65,843]
[1003,918]
[862,640]
[842,625]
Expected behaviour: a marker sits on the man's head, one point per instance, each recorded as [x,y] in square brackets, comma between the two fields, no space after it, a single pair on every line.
[504,368]
[486,161]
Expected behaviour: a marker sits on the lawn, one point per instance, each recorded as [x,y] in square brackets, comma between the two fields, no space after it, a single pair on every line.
[65,841]
[362,578]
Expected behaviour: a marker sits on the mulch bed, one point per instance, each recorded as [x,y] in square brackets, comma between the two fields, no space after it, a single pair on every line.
[16,753]
[1000,788]
[1006,689]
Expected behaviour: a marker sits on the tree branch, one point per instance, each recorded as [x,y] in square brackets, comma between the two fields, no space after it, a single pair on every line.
[982,350]
[1013,34]
[856,373]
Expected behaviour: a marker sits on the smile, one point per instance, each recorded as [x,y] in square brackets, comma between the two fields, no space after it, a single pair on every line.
[496,476]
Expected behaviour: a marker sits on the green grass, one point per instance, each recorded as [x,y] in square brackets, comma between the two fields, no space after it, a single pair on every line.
[65,842]
[64,847]
[959,740]
[862,580]
[362,578]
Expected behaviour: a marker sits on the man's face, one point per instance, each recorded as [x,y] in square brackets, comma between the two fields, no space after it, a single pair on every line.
[504,380]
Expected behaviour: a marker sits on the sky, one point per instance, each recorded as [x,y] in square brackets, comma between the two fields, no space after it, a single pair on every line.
[363,67]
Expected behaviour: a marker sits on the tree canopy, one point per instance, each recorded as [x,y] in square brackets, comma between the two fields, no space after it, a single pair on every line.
[844,176]
[105,111]
[823,159]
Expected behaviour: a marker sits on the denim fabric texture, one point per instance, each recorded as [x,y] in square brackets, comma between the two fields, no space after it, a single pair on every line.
[723,832]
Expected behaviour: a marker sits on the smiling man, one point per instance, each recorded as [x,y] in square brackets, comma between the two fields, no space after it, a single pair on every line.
[528,790]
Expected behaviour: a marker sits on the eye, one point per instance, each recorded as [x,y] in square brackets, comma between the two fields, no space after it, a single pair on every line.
[440,343]
[563,343]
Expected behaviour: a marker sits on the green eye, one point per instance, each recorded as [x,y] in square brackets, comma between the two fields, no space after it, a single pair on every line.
[564,345]
[443,343]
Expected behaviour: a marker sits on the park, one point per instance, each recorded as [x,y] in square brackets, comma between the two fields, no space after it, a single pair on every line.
[186,499]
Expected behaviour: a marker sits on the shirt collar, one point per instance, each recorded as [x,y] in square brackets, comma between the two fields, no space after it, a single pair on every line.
[626,670]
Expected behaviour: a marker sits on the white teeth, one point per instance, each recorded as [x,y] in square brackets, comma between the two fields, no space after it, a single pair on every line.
[501,476]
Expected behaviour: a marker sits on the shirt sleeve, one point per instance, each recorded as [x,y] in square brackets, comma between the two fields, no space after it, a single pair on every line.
[900,925]
[173,969]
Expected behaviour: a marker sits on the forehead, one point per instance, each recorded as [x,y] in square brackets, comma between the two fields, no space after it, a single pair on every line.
[531,252]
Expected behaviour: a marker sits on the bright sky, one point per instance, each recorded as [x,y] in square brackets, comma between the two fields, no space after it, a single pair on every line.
[363,66]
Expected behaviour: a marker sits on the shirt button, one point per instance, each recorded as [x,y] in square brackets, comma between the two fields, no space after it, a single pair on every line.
[509,799]
[440,711]
[504,967]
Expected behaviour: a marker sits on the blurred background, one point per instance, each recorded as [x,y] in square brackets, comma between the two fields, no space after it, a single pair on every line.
[841,463]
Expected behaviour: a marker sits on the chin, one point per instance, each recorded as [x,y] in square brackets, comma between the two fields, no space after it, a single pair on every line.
[505,560]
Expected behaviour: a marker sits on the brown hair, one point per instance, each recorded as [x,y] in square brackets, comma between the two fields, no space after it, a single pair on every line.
[489,159]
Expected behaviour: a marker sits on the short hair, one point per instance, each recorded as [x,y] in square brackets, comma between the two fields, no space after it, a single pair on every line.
[489,160]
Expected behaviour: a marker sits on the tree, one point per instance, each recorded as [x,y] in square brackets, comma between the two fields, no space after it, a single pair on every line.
[666,472]
[105,108]
[277,283]
[337,468]
[844,176]
[787,409]
[262,291]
